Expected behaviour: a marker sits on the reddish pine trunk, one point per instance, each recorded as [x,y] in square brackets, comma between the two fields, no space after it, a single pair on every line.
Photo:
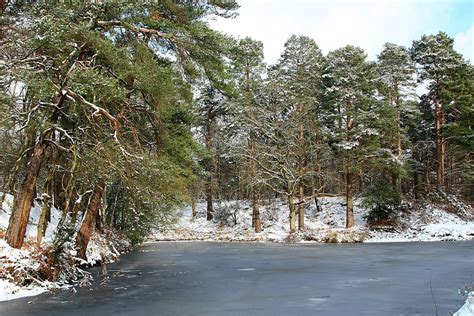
[89,221]
[23,199]
[210,170]
[398,182]
[210,209]
[349,202]
[361,179]
[399,133]
[440,144]
[256,223]
[291,205]
[300,172]
[193,207]
[301,208]
[256,214]
[349,175]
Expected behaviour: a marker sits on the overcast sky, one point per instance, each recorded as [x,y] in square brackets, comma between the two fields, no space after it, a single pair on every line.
[364,23]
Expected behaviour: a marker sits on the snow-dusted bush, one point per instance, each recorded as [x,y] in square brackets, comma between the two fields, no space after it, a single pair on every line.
[226,214]
[381,199]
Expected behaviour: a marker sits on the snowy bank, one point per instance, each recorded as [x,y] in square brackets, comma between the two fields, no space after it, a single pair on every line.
[34,268]
[468,308]
[232,222]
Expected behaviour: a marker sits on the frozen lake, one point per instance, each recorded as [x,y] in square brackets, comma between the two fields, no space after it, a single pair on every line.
[200,278]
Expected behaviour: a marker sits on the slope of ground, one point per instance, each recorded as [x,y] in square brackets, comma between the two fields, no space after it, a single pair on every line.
[28,271]
[232,222]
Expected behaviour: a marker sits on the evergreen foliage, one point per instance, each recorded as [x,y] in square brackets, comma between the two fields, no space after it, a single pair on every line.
[382,200]
[150,101]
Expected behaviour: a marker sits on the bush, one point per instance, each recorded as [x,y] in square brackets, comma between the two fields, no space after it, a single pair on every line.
[226,215]
[381,199]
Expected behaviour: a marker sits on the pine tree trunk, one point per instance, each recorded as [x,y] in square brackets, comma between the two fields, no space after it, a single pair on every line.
[210,170]
[291,205]
[349,202]
[42,220]
[398,182]
[348,174]
[256,213]
[193,208]
[209,208]
[23,199]
[443,149]
[46,209]
[301,141]
[301,208]
[255,209]
[399,133]
[415,183]
[440,146]
[89,221]
[361,179]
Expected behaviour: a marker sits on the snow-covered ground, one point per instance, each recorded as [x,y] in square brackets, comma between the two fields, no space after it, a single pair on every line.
[26,271]
[468,308]
[233,223]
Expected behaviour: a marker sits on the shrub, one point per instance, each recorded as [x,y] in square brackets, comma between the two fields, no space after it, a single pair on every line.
[381,199]
[226,215]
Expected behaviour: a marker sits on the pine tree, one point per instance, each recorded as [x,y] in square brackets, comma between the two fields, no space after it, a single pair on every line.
[249,68]
[436,62]
[299,68]
[458,132]
[350,82]
[396,72]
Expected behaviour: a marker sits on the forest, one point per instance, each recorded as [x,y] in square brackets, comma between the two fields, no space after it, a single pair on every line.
[117,113]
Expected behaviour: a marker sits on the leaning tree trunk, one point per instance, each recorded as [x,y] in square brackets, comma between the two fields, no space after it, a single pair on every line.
[24,199]
[349,201]
[89,221]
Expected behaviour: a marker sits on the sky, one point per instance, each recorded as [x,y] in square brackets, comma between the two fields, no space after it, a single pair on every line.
[365,23]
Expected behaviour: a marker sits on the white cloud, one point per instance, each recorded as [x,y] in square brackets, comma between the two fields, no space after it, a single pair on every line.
[336,23]
[463,43]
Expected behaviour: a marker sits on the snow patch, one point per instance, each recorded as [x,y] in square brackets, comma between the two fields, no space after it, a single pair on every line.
[11,291]
[468,308]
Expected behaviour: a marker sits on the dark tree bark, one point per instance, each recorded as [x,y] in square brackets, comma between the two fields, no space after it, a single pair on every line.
[89,221]
[24,198]
[349,201]
[300,207]
[349,174]
[256,223]
[209,201]
[210,168]
[291,205]
[440,144]
[193,207]
[300,166]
